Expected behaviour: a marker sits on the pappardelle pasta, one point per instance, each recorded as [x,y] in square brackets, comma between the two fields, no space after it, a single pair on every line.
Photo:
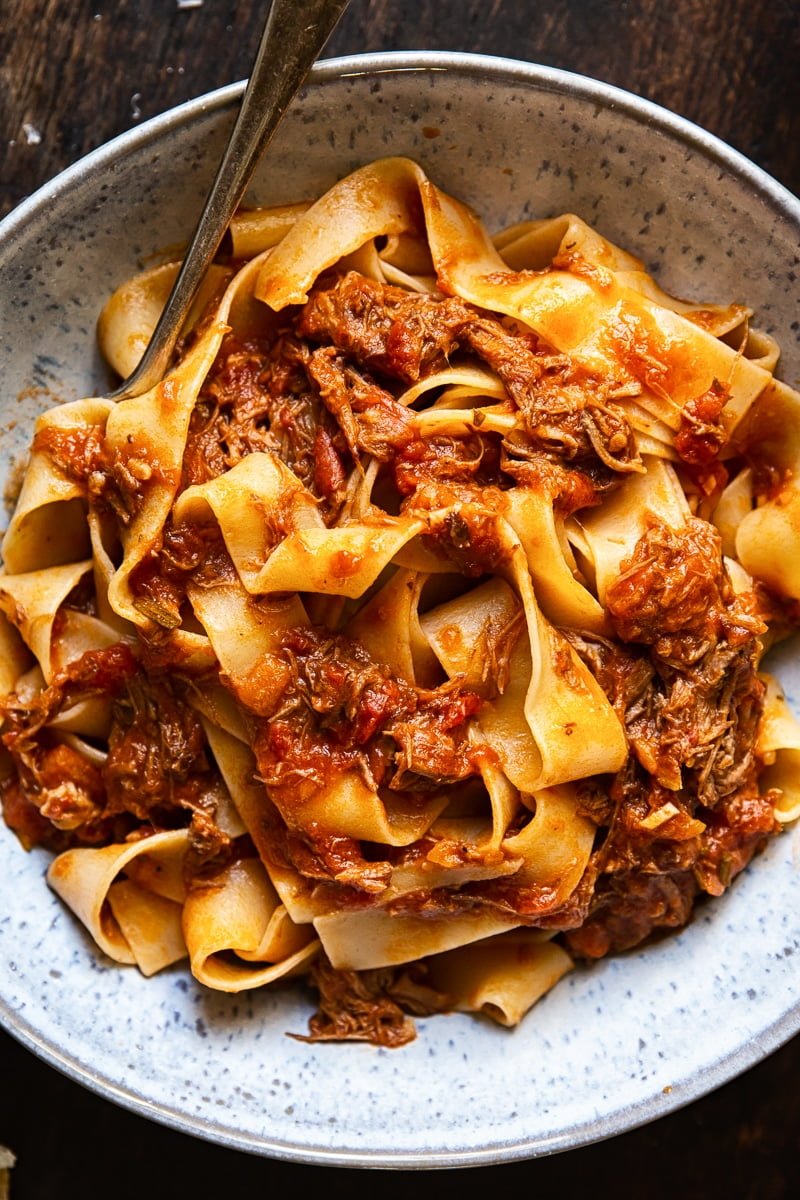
[407,636]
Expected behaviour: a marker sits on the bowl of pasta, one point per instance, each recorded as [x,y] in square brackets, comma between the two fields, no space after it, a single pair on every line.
[410,671]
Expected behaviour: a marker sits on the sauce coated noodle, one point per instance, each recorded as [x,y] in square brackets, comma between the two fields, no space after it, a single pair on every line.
[407,636]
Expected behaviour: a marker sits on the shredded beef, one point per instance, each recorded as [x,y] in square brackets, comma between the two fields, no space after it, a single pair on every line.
[57,798]
[258,397]
[684,814]
[709,721]
[324,857]
[674,593]
[569,489]
[701,435]
[158,583]
[566,410]
[156,771]
[468,538]
[624,673]
[736,829]
[472,461]
[342,711]
[55,787]
[650,884]
[232,415]
[369,417]
[693,728]
[81,453]
[328,477]
[700,707]
[569,413]
[660,847]
[401,334]
[369,1006]
[156,750]
[94,673]
[629,907]
[24,819]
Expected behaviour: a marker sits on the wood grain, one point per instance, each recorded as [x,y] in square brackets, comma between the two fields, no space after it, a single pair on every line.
[77,72]
[738,1144]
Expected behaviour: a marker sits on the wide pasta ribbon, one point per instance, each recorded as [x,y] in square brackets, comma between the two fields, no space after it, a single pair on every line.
[130,923]
[779,747]
[596,316]
[608,535]
[358,941]
[147,436]
[279,542]
[238,913]
[32,600]
[768,537]
[551,723]
[501,977]
[48,527]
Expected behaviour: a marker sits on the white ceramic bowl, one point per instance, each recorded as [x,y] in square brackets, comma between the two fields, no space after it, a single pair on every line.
[612,1046]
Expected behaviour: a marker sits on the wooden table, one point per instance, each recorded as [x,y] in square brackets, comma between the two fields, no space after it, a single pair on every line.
[72,75]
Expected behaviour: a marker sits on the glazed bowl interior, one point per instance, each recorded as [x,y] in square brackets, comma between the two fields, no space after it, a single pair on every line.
[612,1046]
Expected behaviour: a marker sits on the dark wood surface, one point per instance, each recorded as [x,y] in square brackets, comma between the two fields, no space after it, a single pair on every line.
[77,72]
[74,73]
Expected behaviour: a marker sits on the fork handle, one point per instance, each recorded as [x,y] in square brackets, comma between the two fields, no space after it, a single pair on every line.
[294,34]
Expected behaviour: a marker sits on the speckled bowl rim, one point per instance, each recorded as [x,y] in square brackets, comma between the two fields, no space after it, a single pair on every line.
[769,192]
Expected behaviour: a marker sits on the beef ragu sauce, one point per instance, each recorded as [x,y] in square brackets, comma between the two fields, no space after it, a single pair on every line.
[370,1006]
[468,539]
[56,796]
[701,435]
[682,818]
[159,582]
[79,452]
[689,636]
[404,336]
[473,460]
[259,396]
[84,456]
[674,594]
[341,710]
[156,776]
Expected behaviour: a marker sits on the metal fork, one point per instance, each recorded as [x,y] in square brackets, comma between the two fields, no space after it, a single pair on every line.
[294,34]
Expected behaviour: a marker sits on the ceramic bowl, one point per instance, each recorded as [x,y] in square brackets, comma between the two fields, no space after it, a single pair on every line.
[610,1047]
